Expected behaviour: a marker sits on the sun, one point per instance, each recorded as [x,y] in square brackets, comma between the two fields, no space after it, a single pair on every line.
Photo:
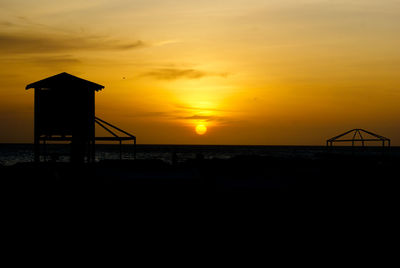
[201,129]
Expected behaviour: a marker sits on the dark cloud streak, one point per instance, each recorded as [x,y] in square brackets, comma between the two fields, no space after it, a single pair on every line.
[175,116]
[192,108]
[174,74]
[201,117]
[55,60]
[55,44]
[137,44]
[6,24]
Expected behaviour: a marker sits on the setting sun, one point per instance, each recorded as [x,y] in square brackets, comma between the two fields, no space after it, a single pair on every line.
[201,129]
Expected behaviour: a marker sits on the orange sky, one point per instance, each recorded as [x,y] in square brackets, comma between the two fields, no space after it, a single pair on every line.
[252,71]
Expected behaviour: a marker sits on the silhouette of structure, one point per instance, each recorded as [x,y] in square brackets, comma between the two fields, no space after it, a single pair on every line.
[64,107]
[358,137]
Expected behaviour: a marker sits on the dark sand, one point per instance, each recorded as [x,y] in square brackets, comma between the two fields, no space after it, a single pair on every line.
[325,174]
[335,196]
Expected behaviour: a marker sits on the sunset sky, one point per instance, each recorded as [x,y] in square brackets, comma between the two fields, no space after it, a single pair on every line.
[267,72]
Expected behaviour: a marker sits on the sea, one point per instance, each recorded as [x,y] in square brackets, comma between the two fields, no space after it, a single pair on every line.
[11,154]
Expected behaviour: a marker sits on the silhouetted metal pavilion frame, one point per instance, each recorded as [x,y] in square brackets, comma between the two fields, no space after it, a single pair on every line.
[102,124]
[358,137]
[115,137]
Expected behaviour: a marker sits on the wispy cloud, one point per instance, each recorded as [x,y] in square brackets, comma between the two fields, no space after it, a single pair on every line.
[134,45]
[186,116]
[174,74]
[201,117]
[6,23]
[55,60]
[166,42]
[195,108]
[156,114]
[218,119]
[14,43]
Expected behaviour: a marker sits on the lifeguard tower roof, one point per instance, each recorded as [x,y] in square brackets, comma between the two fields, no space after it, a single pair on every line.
[65,80]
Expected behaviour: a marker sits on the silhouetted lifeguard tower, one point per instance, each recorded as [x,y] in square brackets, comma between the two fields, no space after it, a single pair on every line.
[65,111]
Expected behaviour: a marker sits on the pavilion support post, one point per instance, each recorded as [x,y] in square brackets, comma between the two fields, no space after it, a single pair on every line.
[45,150]
[92,139]
[134,149]
[36,141]
[93,150]
[36,149]
[120,150]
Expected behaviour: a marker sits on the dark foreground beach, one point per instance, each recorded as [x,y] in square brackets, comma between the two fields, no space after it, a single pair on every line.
[335,193]
[325,173]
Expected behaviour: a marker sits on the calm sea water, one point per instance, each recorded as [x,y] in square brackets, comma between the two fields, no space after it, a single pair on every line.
[14,153]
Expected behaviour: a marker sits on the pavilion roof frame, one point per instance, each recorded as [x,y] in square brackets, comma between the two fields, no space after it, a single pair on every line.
[360,138]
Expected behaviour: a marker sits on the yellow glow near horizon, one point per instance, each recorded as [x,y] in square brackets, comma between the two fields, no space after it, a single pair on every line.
[201,129]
